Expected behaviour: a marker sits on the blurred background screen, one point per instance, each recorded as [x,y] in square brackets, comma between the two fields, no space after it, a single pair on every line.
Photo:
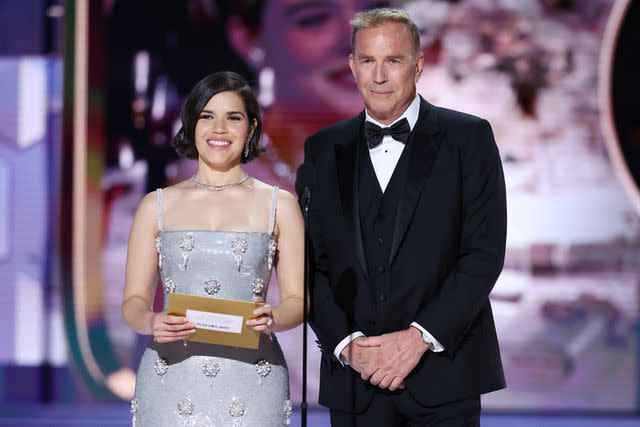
[557,80]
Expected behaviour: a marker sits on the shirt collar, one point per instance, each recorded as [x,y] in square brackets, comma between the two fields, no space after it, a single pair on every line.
[411,114]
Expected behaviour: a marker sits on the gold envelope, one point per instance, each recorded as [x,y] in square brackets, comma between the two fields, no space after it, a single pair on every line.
[223,309]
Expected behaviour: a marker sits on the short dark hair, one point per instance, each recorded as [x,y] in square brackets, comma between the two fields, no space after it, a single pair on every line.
[223,81]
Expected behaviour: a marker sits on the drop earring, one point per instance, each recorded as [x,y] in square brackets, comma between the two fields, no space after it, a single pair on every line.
[246,148]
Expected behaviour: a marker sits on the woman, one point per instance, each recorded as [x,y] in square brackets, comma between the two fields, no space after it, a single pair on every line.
[215,234]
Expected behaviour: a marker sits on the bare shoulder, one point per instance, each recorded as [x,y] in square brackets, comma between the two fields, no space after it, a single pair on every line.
[146,213]
[288,208]
[176,189]
[176,194]
[262,190]
[260,186]
[148,204]
[286,198]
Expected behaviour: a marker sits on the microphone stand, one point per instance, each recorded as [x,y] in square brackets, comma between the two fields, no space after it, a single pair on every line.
[306,197]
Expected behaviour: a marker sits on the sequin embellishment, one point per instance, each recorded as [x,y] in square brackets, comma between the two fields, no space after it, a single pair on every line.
[210,369]
[239,247]
[237,409]
[161,367]
[263,368]
[187,243]
[212,287]
[185,409]
[134,411]
[257,287]
[288,409]
[273,245]
[158,242]
[169,285]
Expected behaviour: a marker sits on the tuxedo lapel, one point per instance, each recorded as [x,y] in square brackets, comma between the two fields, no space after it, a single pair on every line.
[423,144]
[347,165]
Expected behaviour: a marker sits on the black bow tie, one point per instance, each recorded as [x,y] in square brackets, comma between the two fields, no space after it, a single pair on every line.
[399,131]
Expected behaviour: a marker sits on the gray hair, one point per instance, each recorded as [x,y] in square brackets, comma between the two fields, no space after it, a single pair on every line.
[376,17]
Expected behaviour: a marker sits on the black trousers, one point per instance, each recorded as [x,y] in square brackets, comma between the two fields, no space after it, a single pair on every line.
[399,408]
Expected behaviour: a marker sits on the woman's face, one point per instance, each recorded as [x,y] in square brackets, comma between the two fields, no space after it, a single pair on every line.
[221,131]
[307,44]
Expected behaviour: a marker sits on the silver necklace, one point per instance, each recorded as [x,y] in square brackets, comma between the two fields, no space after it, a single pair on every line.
[218,187]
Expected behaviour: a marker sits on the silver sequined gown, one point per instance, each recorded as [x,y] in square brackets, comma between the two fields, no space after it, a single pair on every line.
[204,384]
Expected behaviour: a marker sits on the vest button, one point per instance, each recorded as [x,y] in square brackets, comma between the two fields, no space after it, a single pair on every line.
[383,297]
[380,240]
[382,269]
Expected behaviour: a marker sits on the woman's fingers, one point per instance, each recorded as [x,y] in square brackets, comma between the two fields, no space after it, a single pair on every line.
[180,334]
[256,321]
[178,328]
[167,328]
[174,320]
[175,336]
[265,310]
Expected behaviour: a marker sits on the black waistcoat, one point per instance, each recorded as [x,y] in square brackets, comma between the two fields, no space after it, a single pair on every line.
[378,213]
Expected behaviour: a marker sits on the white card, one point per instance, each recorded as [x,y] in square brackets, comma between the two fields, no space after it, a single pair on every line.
[216,321]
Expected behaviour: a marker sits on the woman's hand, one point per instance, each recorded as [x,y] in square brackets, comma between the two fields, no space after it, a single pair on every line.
[168,328]
[263,320]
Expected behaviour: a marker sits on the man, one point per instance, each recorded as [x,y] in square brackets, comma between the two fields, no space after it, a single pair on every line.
[407,221]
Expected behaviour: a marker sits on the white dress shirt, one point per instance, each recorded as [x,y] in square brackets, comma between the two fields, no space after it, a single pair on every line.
[385,158]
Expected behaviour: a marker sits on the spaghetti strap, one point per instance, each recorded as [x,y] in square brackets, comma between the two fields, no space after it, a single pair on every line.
[274,204]
[159,215]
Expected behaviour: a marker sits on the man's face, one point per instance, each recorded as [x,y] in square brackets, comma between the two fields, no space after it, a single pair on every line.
[386,68]
[306,42]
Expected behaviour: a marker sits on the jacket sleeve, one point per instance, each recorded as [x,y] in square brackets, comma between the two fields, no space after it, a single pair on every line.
[326,317]
[449,314]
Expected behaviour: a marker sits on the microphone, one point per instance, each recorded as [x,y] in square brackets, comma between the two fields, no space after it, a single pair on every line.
[304,197]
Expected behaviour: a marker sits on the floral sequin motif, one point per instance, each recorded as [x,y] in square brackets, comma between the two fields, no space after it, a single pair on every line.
[169,285]
[288,409]
[185,409]
[212,287]
[271,252]
[257,287]
[239,247]
[210,368]
[237,408]
[263,368]
[161,367]
[187,242]
[135,406]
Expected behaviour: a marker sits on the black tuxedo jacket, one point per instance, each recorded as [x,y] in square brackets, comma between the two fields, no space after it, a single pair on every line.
[447,252]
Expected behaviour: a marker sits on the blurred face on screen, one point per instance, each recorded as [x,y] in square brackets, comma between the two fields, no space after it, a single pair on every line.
[386,67]
[306,43]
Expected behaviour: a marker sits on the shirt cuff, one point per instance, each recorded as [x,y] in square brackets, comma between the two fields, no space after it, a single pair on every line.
[342,344]
[433,343]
